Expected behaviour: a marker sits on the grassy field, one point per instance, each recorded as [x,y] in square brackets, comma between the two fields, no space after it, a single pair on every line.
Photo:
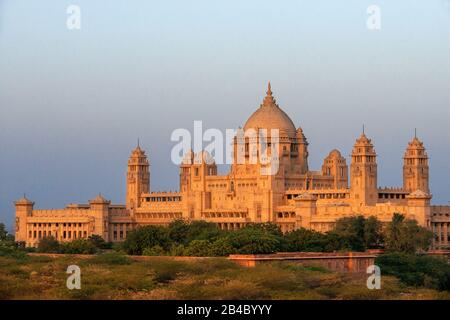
[112,276]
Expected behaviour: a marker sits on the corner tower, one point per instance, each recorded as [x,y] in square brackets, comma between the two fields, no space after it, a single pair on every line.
[415,167]
[24,210]
[138,177]
[363,172]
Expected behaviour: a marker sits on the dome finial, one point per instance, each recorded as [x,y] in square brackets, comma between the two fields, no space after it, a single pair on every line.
[269,100]
[269,89]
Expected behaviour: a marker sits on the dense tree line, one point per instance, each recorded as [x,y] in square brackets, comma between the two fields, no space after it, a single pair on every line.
[200,238]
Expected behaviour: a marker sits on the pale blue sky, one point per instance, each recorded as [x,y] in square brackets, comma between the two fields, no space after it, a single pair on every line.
[72,103]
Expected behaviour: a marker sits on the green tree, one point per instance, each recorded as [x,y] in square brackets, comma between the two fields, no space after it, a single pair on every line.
[405,235]
[3,232]
[78,246]
[154,251]
[146,237]
[373,233]
[178,231]
[98,242]
[202,230]
[257,238]
[351,232]
[305,240]
[416,270]
[198,248]
[48,245]
[222,247]
[356,233]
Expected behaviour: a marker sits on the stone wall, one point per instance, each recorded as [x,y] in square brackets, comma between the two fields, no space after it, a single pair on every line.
[354,262]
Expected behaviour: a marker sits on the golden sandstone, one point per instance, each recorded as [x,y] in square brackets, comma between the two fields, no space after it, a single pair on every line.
[294,197]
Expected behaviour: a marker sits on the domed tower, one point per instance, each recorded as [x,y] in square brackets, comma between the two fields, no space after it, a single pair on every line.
[292,145]
[335,165]
[138,177]
[24,210]
[363,172]
[415,167]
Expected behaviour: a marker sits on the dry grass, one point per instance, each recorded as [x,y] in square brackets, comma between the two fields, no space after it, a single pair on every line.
[118,277]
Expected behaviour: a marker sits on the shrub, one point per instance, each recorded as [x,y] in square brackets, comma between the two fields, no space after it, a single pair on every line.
[98,242]
[416,270]
[48,245]
[257,238]
[7,250]
[110,258]
[146,237]
[405,235]
[305,240]
[178,231]
[222,247]
[198,248]
[202,230]
[78,246]
[154,251]
[176,250]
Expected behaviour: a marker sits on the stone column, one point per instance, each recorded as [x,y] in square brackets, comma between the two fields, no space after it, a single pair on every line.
[445,233]
[439,225]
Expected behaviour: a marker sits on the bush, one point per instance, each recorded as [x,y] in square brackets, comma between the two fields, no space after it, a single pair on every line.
[48,245]
[178,231]
[222,247]
[146,237]
[8,250]
[176,250]
[257,238]
[306,240]
[416,270]
[405,235]
[78,246]
[111,258]
[154,251]
[198,248]
[98,242]
[202,230]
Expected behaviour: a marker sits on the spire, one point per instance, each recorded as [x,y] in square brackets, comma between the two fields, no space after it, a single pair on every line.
[269,100]
[269,89]
[364,130]
[138,145]
[415,133]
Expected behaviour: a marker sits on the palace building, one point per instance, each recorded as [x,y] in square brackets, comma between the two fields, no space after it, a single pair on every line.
[294,197]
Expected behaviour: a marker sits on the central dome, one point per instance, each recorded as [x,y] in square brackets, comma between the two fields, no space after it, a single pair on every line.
[270,116]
